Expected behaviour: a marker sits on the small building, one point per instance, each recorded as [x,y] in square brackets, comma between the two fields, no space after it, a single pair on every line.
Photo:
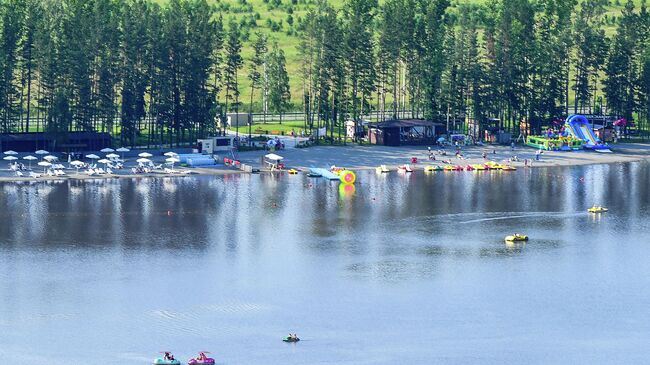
[212,145]
[355,129]
[401,132]
[238,119]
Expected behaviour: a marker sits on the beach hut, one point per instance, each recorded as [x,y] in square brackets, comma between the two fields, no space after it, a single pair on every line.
[400,132]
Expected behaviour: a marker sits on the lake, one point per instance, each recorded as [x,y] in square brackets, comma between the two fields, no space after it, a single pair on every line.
[408,269]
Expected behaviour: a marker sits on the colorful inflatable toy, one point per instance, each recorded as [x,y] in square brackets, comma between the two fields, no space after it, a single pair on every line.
[348,177]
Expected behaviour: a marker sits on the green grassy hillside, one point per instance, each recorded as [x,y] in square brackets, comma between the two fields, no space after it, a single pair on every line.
[272,18]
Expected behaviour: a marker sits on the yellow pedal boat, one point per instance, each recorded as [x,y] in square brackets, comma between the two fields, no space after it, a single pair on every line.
[596,209]
[517,238]
[382,169]
[292,171]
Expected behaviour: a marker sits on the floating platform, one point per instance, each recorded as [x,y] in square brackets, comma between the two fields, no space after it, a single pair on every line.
[324,173]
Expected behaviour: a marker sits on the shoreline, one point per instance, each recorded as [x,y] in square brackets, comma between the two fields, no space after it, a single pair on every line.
[366,158]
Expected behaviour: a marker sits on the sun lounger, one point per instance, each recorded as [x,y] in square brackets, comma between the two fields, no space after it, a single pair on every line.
[19,174]
[34,175]
[109,171]
[50,173]
[168,171]
[59,172]
[90,172]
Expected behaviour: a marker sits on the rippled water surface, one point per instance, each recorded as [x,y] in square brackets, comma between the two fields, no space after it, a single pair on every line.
[401,269]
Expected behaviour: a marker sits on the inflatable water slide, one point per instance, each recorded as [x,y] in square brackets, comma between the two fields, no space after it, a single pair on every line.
[579,127]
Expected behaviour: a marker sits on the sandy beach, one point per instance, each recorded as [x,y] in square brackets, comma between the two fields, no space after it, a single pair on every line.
[368,157]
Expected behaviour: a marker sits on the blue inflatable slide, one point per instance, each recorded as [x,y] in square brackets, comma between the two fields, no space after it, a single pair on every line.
[579,127]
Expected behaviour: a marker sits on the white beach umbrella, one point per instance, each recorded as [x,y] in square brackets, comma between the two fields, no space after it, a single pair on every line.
[104,161]
[45,165]
[41,152]
[92,156]
[77,164]
[172,161]
[122,150]
[10,158]
[171,154]
[50,158]
[30,158]
[145,154]
[143,160]
[112,155]
[10,153]
[106,150]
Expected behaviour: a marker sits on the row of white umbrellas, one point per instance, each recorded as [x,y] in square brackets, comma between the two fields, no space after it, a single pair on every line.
[172,157]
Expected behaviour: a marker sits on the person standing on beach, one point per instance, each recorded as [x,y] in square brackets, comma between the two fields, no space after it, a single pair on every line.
[512,145]
[538,154]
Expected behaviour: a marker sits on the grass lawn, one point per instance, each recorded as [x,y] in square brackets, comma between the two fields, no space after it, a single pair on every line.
[275,128]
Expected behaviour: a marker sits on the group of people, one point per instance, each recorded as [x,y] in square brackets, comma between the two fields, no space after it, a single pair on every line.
[170,357]
[484,154]
[293,337]
[17,166]
[275,144]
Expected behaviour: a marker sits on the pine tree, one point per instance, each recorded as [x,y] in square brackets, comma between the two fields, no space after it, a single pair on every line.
[257,63]
[12,15]
[234,62]
[34,12]
[279,92]
[358,29]
[591,49]
[622,67]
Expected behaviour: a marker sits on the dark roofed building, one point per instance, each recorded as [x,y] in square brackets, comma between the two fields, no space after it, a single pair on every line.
[68,142]
[400,132]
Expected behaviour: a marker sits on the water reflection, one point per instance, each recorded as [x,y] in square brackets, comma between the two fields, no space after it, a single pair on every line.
[129,266]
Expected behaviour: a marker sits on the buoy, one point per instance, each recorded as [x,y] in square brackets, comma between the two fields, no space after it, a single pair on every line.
[348,177]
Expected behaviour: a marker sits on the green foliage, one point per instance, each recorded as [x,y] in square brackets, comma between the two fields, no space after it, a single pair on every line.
[164,70]
[278,81]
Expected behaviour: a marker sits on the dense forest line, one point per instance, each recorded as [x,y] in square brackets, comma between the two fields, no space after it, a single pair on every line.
[170,72]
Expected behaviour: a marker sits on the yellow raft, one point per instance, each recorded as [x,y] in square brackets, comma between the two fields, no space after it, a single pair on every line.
[517,238]
[432,168]
[382,169]
[292,171]
[596,209]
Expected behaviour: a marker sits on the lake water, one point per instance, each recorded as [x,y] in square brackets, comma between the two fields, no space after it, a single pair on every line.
[408,269]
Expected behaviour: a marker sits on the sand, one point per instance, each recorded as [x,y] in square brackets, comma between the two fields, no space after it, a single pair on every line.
[368,157]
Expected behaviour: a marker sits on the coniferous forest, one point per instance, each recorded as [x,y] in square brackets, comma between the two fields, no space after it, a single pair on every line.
[167,72]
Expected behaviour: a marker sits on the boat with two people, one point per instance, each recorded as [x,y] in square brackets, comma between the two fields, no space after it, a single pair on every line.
[291,338]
